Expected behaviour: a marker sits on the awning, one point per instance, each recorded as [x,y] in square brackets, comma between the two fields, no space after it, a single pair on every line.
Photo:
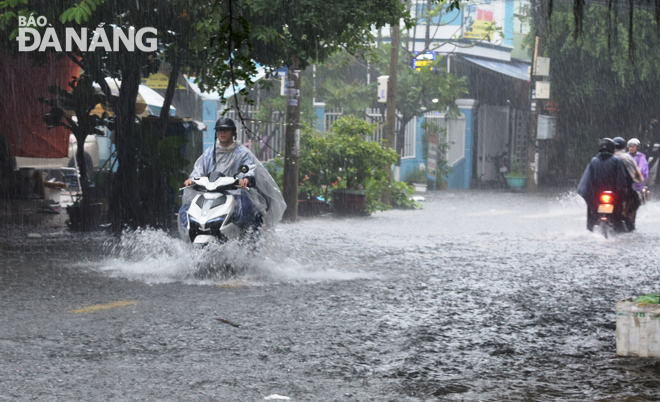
[154,100]
[229,92]
[149,102]
[515,69]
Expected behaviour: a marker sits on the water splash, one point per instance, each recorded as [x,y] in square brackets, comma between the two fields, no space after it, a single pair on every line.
[570,199]
[154,257]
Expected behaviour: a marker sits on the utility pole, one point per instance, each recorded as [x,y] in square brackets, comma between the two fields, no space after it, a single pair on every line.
[391,100]
[292,143]
[532,143]
[536,105]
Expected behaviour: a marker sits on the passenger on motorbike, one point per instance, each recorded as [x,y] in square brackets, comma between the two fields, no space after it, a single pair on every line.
[604,173]
[633,201]
[227,157]
[640,158]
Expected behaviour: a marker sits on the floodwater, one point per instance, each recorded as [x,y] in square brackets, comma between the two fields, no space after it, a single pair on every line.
[477,296]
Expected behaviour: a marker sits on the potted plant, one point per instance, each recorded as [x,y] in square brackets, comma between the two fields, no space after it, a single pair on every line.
[418,179]
[339,164]
[516,179]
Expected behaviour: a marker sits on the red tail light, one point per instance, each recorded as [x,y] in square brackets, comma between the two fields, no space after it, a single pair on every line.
[606,198]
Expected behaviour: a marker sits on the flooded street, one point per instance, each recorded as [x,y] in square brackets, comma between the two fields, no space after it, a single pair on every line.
[477,296]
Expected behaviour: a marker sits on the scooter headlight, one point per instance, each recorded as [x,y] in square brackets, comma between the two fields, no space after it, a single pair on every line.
[218,219]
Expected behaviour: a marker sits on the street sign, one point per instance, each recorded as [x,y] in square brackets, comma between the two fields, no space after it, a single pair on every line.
[382,88]
[424,60]
[543,66]
[545,127]
[542,90]
[158,81]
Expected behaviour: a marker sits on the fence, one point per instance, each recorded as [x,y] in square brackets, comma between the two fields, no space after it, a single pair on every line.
[266,137]
[454,135]
[374,116]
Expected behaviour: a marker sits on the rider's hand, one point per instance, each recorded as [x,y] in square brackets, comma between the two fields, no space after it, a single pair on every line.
[242,183]
[187,182]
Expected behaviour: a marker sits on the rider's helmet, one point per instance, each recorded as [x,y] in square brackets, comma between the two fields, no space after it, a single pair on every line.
[633,141]
[606,145]
[226,123]
[619,142]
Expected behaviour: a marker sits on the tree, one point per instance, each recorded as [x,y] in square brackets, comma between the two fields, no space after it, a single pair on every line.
[420,91]
[80,101]
[180,44]
[612,18]
[294,33]
[229,39]
[599,91]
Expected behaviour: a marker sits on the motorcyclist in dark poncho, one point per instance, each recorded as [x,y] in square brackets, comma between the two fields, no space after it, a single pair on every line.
[605,173]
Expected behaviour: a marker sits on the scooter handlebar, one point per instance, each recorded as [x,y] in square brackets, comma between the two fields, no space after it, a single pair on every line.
[250,181]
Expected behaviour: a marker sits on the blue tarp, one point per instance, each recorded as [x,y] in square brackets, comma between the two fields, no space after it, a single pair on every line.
[515,69]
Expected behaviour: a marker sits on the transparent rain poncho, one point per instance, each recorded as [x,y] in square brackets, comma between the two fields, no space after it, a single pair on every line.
[267,198]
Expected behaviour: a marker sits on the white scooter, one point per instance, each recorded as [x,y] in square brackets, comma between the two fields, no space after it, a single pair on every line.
[211,215]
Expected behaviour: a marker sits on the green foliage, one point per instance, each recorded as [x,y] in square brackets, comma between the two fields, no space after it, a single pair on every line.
[416,176]
[373,190]
[599,90]
[352,97]
[516,171]
[442,169]
[277,33]
[401,196]
[417,90]
[308,29]
[343,84]
[275,169]
[80,12]
[10,10]
[650,298]
[220,42]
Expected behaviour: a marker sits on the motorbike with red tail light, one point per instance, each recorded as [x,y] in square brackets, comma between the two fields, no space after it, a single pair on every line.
[609,217]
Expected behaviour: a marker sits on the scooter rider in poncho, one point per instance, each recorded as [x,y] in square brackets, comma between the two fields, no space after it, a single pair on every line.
[604,172]
[227,157]
[640,158]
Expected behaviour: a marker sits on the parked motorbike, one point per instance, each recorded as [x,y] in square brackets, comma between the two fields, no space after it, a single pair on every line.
[501,163]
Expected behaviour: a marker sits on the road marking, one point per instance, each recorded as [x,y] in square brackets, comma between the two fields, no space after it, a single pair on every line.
[97,307]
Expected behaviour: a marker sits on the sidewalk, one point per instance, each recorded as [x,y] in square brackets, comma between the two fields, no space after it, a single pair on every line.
[31,213]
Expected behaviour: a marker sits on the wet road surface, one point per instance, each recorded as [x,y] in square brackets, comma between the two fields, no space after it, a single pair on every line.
[478,296]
